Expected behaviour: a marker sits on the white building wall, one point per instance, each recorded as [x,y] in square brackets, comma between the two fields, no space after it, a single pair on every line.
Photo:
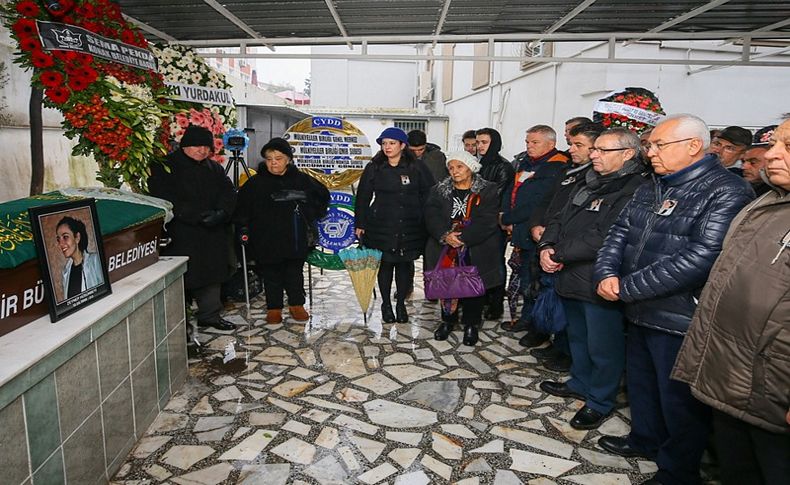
[550,94]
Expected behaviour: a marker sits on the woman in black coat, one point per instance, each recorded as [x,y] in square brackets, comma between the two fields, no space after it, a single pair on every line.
[462,213]
[280,205]
[388,216]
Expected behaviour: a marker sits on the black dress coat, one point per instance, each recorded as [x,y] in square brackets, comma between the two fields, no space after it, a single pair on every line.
[577,232]
[481,236]
[389,207]
[194,188]
[278,229]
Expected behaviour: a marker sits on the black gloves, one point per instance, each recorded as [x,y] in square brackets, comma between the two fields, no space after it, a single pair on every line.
[213,217]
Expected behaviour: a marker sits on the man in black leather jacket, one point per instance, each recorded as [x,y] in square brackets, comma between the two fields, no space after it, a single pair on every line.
[498,170]
[656,259]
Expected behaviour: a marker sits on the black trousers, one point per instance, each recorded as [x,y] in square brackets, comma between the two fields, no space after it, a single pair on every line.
[283,276]
[404,280]
[208,303]
[749,455]
[471,311]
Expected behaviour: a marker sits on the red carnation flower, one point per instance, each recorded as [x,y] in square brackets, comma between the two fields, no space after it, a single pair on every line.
[41,60]
[83,59]
[87,11]
[89,75]
[58,95]
[51,79]
[28,44]
[77,83]
[127,36]
[28,9]
[24,27]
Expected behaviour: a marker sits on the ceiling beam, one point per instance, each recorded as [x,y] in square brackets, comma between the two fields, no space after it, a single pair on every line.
[442,18]
[570,16]
[338,22]
[478,38]
[543,60]
[236,21]
[147,28]
[774,26]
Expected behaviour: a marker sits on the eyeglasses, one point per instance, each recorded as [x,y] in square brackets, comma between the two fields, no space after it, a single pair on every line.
[607,150]
[660,146]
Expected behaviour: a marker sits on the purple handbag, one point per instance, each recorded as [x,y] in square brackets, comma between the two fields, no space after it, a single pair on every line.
[460,281]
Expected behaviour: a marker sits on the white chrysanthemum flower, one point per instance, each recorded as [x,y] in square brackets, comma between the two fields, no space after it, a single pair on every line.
[196,77]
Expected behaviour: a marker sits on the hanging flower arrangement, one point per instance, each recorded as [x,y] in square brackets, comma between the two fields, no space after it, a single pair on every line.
[180,64]
[636,109]
[118,113]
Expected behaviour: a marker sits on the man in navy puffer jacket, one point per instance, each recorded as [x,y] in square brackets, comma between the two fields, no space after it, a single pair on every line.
[656,259]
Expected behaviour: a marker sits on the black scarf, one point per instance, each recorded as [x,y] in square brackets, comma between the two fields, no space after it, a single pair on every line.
[593,181]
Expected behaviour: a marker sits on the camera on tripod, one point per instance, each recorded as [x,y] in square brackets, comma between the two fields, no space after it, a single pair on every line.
[237,143]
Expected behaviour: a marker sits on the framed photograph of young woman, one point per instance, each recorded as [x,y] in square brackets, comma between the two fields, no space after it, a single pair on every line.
[71,255]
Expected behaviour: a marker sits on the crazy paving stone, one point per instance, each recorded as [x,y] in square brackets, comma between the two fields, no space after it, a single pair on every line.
[256,395]
[471,396]
[149,444]
[277,355]
[348,458]
[184,456]
[296,451]
[287,338]
[526,461]
[213,435]
[323,390]
[378,383]
[290,407]
[468,481]
[228,394]
[394,415]
[512,380]
[436,466]
[479,465]
[398,358]
[604,459]
[370,449]
[303,373]
[486,385]
[352,395]
[477,363]
[316,415]
[292,388]
[240,432]
[564,427]
[328,438]
[599,479]
[322,403]
[506,477]
[458,430]
[297,427]
[328,471]
[351,423]
[342,358]
[408,373]
[202,407]
[167,422]
[159,473]
[207,476]
[467,412]
[437,395]
[535,424]
[212,422]
[404,437]
[495,446]
[377,474]
[446,447]
[534,441]
[266,419]
[240,407]
[496,413]
[413,478]
[251,447]
[404,456]
[307,356]
[460,374]
[270,474]
[614,426]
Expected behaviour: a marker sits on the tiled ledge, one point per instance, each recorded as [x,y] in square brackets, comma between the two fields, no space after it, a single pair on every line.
[77,394]
[34,351]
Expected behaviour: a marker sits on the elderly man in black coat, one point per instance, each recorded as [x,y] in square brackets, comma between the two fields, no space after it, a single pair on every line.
[203,200]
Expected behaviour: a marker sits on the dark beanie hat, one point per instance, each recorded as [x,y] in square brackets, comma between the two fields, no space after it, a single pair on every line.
[736,135]
[279,144]
[393,133]
[763,136]
[197,136]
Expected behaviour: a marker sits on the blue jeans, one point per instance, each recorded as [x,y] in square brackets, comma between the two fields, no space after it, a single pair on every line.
[597,343]
[666,420]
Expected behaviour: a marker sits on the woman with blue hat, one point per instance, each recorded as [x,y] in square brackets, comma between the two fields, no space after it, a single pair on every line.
[389,206]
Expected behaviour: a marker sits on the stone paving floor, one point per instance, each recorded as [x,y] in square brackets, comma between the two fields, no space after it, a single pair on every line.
[337,401]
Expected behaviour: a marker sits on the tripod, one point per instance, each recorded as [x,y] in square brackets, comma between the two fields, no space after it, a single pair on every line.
[234,162]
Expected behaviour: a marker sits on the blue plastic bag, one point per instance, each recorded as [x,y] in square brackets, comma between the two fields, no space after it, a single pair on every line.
[548,314]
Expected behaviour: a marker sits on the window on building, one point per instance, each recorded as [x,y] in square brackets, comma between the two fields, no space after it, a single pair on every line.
[481,69]
[408,125]
[447,73]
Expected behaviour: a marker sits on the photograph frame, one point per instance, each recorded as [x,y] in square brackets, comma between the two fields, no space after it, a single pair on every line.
[63,251]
